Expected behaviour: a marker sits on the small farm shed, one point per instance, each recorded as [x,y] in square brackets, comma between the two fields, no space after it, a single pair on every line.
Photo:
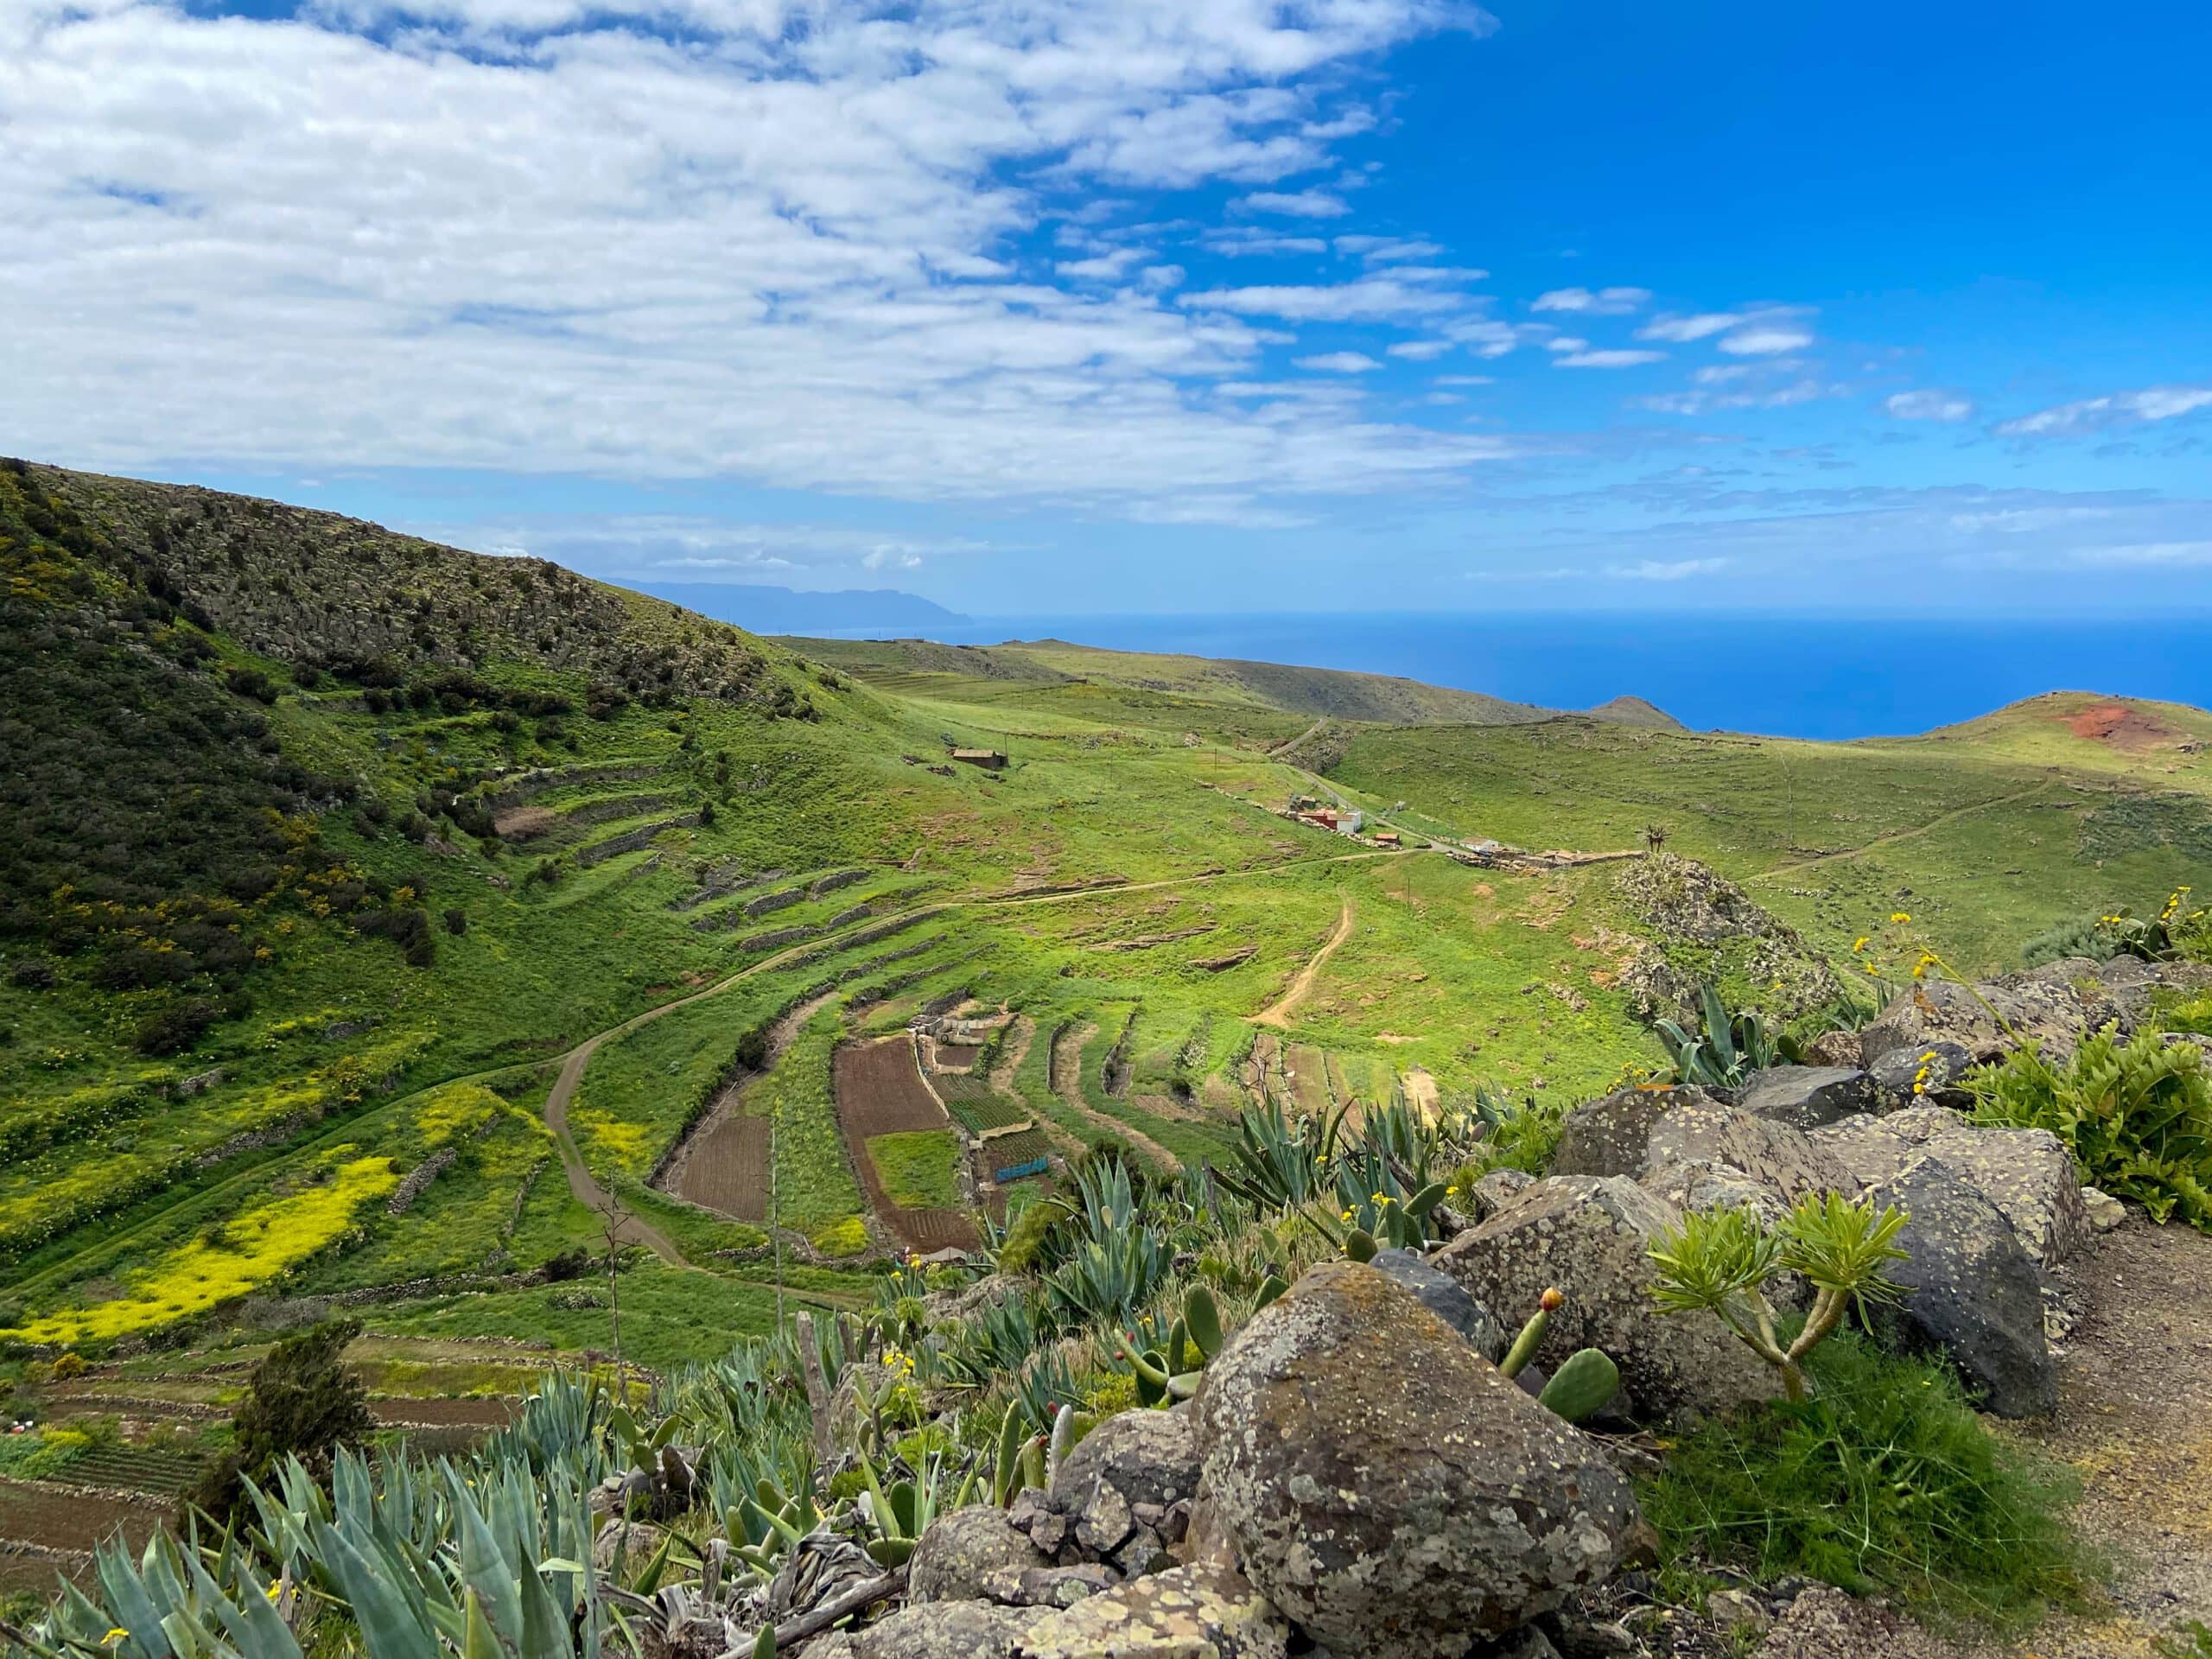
[989,759]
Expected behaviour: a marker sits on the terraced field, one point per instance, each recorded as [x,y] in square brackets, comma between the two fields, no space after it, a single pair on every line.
[881,1093]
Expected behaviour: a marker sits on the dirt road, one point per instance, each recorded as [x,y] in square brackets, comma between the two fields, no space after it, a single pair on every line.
[1301,986]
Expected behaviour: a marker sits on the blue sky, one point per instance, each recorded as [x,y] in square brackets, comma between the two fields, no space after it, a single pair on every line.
[1048,307]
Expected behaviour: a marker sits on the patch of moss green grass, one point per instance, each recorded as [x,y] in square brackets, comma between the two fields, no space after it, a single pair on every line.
[916,1167]
[1886,1482]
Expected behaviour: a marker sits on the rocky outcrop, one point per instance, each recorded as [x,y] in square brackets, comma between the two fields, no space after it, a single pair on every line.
[971,1554]
[1969,1289]
[1612,1135]
[1185,1613]
[1126,1487]
[1591,1238]
[1392,1495]
[1444,1296]
[944,1629]
[1785,1160]
[1806,1096]
[2027,1174]
[1928,1075]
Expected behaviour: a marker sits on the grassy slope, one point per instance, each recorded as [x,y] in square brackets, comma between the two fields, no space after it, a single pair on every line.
[1146,771]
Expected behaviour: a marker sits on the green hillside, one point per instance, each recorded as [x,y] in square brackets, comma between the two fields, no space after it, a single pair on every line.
[375,909]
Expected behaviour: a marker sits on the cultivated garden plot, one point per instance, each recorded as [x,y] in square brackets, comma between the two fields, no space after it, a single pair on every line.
[882,1102]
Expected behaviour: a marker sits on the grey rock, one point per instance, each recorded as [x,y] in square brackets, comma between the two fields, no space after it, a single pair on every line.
[1526,1643]
[1147,1458]
[2105,1211]
[949,1630]
[970,1554]
[1836,1048]
[2027,1173]
[1590,1237]
[1393,1497]
[1186,1612]
[2043,1008]
[1495,1191]
[1064,1587]
[1612,1135]
[1970,1289]
[1806,1096]
[1444,1296]
[1924,1076]
[1737,1609]
[1786,1160]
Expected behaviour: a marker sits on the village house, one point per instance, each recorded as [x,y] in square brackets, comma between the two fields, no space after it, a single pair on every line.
[988,759]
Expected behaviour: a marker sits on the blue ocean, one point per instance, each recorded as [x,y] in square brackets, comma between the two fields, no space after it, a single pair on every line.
[1797,677]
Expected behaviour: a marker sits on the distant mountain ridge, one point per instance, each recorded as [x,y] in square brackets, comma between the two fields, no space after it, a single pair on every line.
[1318,693]
[761,608]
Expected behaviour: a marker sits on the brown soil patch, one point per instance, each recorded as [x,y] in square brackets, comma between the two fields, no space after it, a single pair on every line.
[54,1518]
[723,1163]
[446,1413]
[523,823]
[880,1092]
[2120,727]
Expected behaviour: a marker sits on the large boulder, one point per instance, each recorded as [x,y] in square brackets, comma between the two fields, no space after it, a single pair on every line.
[1612,1135]
[1785,1160]
[1185,1612]
[1591,1238]
[1806,1096]
[1444,1296]
[1122,1483]
[1391,1493]
[2045,1009]
[971,1554]
[2027,1173]
[1970,1289]
[1921,1077]
[949,1630]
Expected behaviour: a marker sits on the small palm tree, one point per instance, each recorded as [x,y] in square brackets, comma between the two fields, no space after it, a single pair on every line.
[1654,837]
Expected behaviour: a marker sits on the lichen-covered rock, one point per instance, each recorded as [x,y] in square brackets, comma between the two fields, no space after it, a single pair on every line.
[1186,1612]
[2027,1173]
[1391,1493]
[2048,1011]
[1612,1135]
[949,1630]
[971,1554]
[1120,1480]
[1806,1096]
[1970,1289]
[1927,1076]
[1444,1296]
[1783,1159]
[1590,1237]
[1495,1191]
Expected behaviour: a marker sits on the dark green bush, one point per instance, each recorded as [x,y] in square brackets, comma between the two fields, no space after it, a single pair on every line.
[1886,1483]
[300,1401]
[176,1028]
[2136,1115]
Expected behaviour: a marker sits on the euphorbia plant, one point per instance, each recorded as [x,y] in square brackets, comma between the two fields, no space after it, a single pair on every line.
[1724,1258]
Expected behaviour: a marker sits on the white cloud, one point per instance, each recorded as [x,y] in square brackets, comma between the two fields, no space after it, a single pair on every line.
[1608,359]
[2116,409]
[1299,204]
[2152,555]
[1766,339]
[678,239]
[1601,302]
[1683,329]
[1340,363]
[1419,351]
[1930,405]
[1388,297]
[1385,250]
[1665,569]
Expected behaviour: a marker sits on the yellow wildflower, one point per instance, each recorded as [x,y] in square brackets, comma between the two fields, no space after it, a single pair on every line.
[1900,916]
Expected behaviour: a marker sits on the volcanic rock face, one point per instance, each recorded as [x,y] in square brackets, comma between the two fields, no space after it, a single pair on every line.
[1388,1491]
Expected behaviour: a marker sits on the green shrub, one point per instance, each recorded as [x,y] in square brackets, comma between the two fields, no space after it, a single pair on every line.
[300,1401]
[2136,1117]
[1886,1482]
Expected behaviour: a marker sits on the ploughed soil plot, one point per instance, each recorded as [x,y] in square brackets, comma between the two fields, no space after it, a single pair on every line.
[59,1518]
[726,1167]
[880,1092]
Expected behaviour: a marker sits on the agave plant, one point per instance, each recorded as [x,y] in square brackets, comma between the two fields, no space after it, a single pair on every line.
[1727,1050]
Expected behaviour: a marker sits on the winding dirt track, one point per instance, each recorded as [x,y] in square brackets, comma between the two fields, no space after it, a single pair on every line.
[1067,1082]
[249,1180]
[1301,986]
